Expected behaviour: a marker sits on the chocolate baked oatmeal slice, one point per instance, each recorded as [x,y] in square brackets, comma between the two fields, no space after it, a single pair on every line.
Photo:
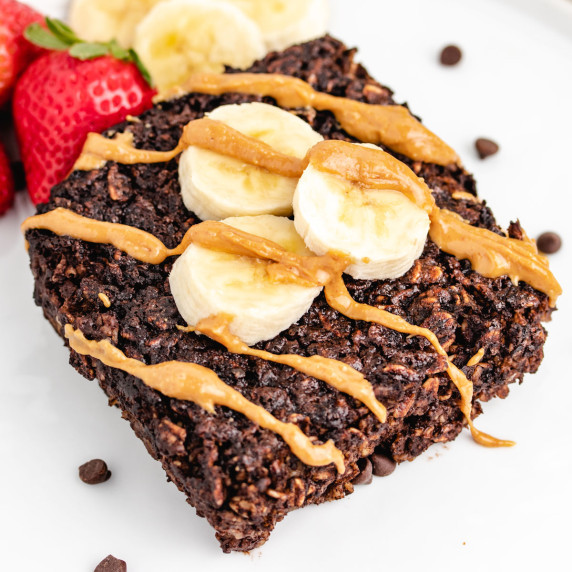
[241,477]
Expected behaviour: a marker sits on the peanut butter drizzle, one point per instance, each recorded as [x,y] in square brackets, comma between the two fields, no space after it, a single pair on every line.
[287,266]
[205,133]
[391,125]
[477,358]
[97,150]
[493,255]
[143,246]
[221,138]
[335,373]
[137,243]
[371,169]
[490,254]
[339,299]
[192,382]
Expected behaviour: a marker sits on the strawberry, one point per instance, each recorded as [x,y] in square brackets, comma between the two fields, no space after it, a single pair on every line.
[6,182]
[15,51]
[64,95]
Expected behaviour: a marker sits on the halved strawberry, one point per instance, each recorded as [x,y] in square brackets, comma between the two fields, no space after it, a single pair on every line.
[67,94]
[15,51]
[6,182]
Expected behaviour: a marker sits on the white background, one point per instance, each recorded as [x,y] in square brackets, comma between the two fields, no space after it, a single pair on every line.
[458,507]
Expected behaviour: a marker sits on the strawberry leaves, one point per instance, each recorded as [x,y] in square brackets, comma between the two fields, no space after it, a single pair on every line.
[39,36]
[62,31]
[88,51]
[60,37]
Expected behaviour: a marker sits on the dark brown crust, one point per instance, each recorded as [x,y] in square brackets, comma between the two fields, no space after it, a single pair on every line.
[241,478]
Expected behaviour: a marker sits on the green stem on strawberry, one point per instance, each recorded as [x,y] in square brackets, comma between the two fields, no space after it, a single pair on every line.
[60,37]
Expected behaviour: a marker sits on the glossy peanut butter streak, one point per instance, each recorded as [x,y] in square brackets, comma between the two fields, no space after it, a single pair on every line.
[137,243]
[490,254]
[477,358]
[339,298]
[493,255]
[370,169]
[335,373]
[391,125]
[205,133]
[192,382]
[97,150]
[143,246]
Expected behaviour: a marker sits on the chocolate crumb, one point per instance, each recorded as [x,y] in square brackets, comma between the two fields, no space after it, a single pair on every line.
[451,55]
[382,465]
[111,564]
[549,242]
[94,472]
[486,147]
[365,476]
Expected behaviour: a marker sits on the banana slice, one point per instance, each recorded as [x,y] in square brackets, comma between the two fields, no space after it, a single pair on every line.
[206,282]
[382,231]
[215,187]
[181,37]
[287,22]
[103,20]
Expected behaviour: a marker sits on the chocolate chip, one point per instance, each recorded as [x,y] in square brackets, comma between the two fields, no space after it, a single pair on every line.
[19,175]
[111,564]
[549,242]
[365,476]
[451,55]
[94,472]
[382,465]
[486,147]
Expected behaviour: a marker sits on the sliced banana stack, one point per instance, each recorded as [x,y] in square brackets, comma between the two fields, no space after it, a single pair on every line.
[103,20]
[206,282]
[214,186]
[280,22]
[181,37]
[382,231]
[287,22]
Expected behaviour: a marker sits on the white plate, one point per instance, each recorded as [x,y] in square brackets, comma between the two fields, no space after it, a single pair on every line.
[459,506]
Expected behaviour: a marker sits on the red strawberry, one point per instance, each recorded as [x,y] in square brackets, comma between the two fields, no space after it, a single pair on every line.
[6,182]
[15,51]
[59,99]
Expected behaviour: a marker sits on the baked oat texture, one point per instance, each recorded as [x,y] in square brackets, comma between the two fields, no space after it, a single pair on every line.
[242,478]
